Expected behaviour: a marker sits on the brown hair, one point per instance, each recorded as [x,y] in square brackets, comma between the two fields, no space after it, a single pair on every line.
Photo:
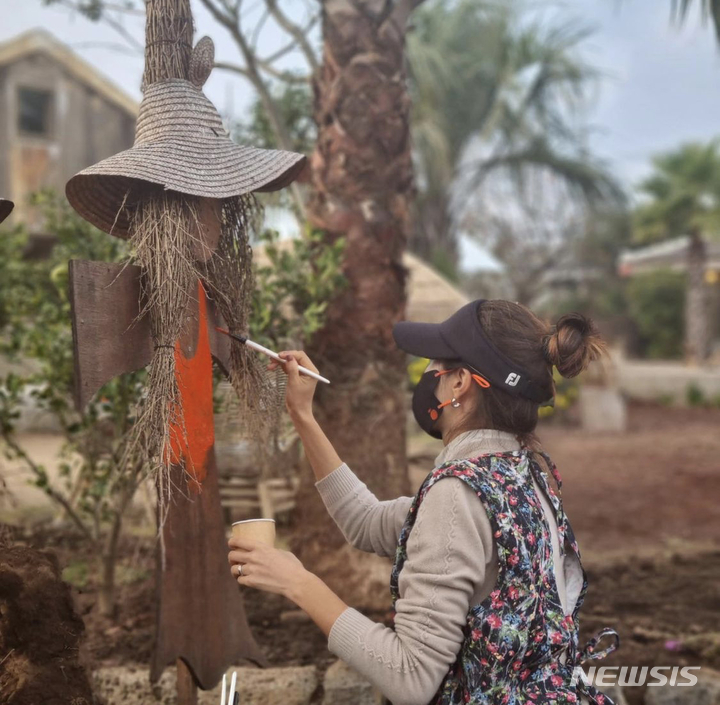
[570,344]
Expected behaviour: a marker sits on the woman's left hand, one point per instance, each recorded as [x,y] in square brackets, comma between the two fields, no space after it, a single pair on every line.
[264,567]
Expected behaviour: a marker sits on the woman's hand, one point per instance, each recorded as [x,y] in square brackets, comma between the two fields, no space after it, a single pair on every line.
[264,567]
[300,387]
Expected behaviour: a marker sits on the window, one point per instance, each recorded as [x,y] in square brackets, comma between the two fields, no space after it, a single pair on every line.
[34,111]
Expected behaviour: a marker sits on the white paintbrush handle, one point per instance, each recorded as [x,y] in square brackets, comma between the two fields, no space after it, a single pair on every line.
[231,694]
[224,689]
[275,356]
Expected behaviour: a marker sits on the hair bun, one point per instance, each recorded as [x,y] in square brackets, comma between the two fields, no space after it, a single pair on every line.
[573,344]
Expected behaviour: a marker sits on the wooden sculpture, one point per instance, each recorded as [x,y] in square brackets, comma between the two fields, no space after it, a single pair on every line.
[183,196]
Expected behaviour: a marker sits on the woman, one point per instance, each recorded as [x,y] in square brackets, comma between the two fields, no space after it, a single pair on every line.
[487,580]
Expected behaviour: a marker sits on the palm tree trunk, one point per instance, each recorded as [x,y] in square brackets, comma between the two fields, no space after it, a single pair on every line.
[696,323]
[362,190]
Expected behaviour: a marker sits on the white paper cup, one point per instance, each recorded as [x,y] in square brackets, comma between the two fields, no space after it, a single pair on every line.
[256,529]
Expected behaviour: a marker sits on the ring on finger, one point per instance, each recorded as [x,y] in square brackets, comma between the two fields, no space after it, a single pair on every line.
[239,571]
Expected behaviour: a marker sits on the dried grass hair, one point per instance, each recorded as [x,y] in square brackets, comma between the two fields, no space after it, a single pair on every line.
[168,40]
[259,395]
[571,344]
[164,237]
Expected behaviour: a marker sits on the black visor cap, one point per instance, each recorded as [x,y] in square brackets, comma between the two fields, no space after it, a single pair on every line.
[5,209]
[461,337]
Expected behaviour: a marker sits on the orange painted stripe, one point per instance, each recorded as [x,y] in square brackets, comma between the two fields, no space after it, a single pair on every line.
[194,377]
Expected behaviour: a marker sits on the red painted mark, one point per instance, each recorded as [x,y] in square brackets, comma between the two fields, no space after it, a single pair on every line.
[194,376]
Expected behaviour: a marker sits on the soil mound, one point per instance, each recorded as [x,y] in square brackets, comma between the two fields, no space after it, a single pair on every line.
[40,632]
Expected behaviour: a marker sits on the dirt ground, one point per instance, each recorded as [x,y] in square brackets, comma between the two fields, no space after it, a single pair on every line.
[40,631]
[651,488]
[644,506]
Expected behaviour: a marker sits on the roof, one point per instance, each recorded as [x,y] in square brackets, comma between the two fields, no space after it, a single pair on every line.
[40,41]
[431,297]
[668,253]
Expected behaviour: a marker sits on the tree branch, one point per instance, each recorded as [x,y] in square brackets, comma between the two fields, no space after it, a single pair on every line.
[231,22]
[291,45]
[296,32]
[76,6]
[285,76]
[224,66]
[52,493]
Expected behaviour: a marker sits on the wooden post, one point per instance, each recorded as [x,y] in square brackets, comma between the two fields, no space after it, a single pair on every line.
[201,617]
[186,686]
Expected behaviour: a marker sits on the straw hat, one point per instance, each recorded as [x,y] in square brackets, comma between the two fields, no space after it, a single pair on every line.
[180,145]
[5,208]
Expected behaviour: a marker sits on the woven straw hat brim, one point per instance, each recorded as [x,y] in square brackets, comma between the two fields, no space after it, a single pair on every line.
[213,168]
[5,208]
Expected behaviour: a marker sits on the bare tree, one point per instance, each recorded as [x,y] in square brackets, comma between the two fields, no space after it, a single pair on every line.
[530,234]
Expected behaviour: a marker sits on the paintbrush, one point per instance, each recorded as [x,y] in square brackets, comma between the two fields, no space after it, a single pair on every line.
[270,353]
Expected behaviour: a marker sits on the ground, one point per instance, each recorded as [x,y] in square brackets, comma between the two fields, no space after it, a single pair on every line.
[40,631]
[644,509]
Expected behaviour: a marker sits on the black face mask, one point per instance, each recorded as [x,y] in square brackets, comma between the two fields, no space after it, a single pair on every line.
[425,405]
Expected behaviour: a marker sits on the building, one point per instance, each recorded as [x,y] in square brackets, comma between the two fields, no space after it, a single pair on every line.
[58,114]
[669,254]
[672,255]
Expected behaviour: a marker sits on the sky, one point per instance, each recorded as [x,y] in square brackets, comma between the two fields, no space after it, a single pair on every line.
[660,86]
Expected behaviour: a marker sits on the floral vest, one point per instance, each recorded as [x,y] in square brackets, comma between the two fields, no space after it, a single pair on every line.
[514,638]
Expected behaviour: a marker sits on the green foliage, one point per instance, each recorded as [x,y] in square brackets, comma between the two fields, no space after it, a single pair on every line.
[709,10]
[37,332]
[682,195]
[12,242]
[566,394]
[292,293]
[528,80]
[665,399]
[129,574]
[443,263]
[695,396]
[416,368]
[293,103]
[35,328]
[656,302]
[77,574]
[289,305]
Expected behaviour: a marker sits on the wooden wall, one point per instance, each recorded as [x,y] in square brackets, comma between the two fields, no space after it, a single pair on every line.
[85,127]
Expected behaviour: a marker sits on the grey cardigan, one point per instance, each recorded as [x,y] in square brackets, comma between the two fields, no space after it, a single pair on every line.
[441,577]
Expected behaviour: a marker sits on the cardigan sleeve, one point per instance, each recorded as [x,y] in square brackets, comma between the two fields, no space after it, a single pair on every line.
[447,553]
[366,522]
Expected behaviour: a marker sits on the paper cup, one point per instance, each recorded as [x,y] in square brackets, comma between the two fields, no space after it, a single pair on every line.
[255,529]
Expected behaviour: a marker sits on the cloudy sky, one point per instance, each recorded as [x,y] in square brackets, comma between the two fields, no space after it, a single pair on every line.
[661,86]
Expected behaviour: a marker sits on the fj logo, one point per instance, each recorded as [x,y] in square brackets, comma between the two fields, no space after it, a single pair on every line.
[512,379]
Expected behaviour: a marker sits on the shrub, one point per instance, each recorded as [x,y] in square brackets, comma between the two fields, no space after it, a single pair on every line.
[694,396]
[656,304]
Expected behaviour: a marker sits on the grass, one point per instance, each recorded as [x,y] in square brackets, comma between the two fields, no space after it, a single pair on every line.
[77,574]
[80,573]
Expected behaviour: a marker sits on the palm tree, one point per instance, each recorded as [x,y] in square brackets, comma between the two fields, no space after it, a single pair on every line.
[362,188]
[709,9]
[684,199]
[494,94]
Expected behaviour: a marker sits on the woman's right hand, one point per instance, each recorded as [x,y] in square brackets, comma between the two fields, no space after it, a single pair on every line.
[300,388]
